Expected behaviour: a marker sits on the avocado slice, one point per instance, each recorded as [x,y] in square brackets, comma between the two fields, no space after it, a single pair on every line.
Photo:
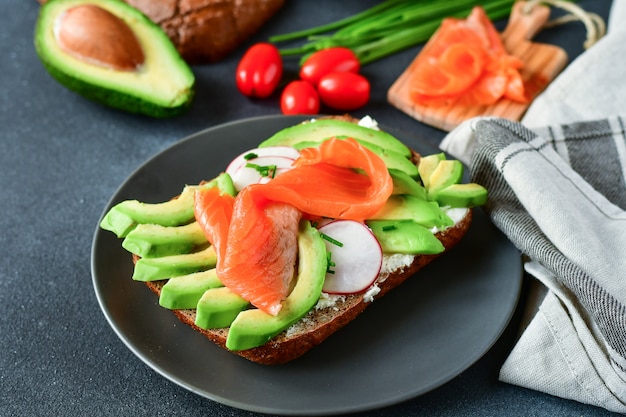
[154,240]
[319,130]
[462,195]
[218,307]
[255,327]
[154,269]
[409,207]
[427,165]
[185,291]
[154,80]
[405,184]
[126,215]
[446,173]
[405,236]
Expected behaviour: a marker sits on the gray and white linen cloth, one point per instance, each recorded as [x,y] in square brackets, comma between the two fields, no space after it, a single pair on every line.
[557,184]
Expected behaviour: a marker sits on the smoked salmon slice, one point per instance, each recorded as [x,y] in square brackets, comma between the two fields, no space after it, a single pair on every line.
[255,233]
[341,180]
[467,62]
[212,207]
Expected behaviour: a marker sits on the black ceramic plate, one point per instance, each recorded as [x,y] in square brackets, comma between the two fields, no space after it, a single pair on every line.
[405,344]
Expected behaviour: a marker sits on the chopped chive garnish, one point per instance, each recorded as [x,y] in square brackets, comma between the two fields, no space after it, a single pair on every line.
[331,240]
[264,170]
[389,227]
[329,263]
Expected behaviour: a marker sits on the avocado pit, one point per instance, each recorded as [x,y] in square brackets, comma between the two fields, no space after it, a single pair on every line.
[97,36]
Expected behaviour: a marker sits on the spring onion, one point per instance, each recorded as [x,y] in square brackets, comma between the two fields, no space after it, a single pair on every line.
[387,28]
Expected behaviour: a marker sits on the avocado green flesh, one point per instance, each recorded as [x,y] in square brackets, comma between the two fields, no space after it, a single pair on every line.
[446,173]
[185,291]
[427,165]
[405,184]
[154,269]
[462,195]
[153,240]
[408,207]
[162,87]
[126,215]
[319,130]
[405,236]
[218,308]
[255,327]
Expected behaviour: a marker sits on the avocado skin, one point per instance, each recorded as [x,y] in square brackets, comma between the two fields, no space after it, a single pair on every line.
[114,97]
[117,99]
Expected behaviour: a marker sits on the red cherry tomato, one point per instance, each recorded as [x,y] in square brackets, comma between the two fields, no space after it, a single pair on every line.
[325,61]
[259,70]
[300,97]
[344,90]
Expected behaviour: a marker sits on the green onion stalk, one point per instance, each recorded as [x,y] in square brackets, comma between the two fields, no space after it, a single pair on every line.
[387,28]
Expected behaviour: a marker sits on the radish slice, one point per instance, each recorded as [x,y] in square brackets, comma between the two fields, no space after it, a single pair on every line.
[357,257]
[252,171]
[244,158]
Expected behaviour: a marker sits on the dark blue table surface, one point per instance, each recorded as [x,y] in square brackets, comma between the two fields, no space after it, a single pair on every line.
[61,159]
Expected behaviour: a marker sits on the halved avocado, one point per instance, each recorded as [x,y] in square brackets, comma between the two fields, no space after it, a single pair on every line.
[154,80]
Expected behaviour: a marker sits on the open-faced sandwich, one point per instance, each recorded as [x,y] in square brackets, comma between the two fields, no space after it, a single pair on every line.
[298,236]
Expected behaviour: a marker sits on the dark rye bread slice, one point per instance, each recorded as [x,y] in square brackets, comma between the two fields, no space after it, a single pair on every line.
[318,325]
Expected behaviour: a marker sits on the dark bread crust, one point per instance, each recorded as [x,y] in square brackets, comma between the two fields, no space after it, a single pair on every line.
[206,31]
[320,324]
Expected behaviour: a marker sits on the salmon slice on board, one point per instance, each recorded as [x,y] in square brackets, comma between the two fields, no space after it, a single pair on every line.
[541,64]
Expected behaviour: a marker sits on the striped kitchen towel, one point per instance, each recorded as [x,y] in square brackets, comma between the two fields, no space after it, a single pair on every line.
[557,184]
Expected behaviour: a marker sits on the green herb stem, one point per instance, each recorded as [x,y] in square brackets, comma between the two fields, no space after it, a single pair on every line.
[335,25]
[264,170]
[331,240]
[387,28]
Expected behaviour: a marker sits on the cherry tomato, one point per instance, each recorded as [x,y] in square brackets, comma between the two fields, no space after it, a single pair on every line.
[259,70]
[325,61]
[344,90]
[300,97]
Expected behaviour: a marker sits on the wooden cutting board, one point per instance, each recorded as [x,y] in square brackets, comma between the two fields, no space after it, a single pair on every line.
[542,63]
